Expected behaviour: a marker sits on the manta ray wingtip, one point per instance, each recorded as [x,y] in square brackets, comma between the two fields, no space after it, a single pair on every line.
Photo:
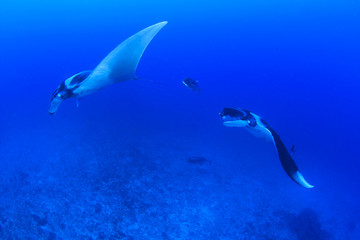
[159,24]
[299,179]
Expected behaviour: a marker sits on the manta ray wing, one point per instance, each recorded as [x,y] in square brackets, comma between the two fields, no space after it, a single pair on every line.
[121,63]
[287,161]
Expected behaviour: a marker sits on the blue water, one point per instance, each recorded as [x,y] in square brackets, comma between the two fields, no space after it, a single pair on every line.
[116,167]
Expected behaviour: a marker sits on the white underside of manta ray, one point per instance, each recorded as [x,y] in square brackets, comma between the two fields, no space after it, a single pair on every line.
[118,66]
[235,117]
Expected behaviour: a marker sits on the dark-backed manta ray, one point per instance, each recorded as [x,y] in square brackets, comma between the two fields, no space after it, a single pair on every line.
[235,117]
[118,66]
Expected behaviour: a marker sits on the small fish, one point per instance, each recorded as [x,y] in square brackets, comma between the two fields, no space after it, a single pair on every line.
[192,84]
[198,160]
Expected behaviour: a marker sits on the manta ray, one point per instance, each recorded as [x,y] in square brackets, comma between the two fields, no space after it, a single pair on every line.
[118,66]
[236,117]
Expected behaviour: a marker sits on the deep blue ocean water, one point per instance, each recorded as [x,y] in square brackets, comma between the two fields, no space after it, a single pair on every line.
[116,167]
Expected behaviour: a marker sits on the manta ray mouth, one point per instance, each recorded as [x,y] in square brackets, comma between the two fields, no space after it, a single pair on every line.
[232,121]
[227,118]
[232,114]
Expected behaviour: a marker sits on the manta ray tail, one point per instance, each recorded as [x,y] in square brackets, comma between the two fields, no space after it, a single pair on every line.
[288,162]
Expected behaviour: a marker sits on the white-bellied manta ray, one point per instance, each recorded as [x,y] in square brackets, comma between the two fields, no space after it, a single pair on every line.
[118,66]
[236,117]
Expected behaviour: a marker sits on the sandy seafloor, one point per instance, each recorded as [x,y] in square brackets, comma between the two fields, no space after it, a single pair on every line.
[145,189]
[83,174]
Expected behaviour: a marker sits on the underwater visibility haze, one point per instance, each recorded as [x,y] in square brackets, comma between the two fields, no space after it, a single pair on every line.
[152,140]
